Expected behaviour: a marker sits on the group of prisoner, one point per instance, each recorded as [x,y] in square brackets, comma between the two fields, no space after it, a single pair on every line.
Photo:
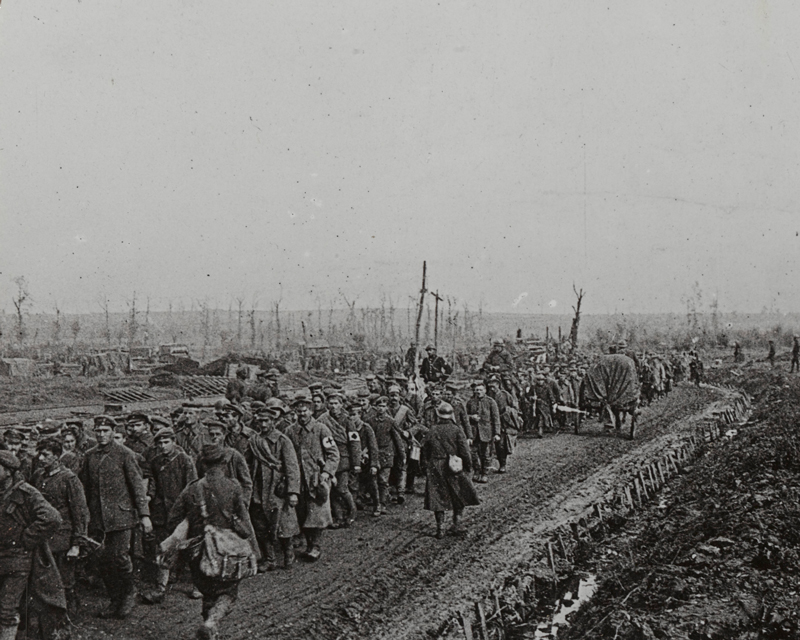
[277,470]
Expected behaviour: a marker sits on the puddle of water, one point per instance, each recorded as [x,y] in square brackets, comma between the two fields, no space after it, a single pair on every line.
[586,588]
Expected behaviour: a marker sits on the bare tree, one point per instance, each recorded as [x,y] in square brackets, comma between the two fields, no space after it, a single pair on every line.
[251,317]
[278,322]
[576,320]
[133,324]
[239,317]
[21,301]
[57,326]
[75,328]
[102,300]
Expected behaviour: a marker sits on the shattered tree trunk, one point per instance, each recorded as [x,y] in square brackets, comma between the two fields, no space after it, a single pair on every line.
[576,321]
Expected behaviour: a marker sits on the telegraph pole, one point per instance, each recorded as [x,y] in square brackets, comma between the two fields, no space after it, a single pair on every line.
[422,293]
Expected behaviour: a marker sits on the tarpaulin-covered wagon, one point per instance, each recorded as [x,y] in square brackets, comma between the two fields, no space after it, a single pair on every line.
[611,386]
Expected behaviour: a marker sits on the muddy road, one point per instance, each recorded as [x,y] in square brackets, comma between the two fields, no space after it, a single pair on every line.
[388,577]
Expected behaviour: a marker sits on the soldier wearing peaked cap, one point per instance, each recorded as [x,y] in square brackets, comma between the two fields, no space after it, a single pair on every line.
[349,445]
[485,418]
[26,520]
[64,491]
[318,457]
[117,500]
[172,470]
[367,480]
[450,396]
[239,434]
[139,436]
[272,461]
[15,443]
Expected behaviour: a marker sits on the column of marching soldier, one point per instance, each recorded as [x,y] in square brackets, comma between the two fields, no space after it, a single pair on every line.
[277,470]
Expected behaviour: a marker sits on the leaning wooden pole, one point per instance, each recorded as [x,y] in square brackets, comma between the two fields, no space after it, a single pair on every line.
[436,320]
[422,293]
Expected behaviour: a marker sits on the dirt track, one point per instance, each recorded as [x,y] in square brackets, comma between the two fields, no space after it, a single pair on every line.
[388,577]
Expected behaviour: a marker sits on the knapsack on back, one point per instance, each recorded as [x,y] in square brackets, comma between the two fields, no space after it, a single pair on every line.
[223,553]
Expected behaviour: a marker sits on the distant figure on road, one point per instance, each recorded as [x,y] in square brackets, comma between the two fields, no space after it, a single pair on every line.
[771,354]
[411,360]
[738,356]
[795,354]
[696,370]
[236,387]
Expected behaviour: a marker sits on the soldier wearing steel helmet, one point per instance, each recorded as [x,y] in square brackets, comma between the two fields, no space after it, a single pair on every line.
[499,359]
[447,489]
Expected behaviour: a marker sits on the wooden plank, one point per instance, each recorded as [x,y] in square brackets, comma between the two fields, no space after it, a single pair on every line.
[466,625]
[482,620]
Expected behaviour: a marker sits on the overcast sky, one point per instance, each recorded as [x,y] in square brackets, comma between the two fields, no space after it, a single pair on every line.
[191,150]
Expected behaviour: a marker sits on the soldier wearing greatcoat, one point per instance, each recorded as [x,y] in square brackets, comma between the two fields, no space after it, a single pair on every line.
[115,494]
[171,471]
[485,419]
[26,520]
[64,491]
[447,489]
[273,466]
[318,456]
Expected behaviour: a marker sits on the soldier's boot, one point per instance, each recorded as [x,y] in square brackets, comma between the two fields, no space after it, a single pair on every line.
[401,485]
[439,515]
[112,583]
[288,552]
[8,633]
[336,513]
[156,596]
[383,499]
[351,508]
[268,561]
[457,529]
[314,537]
[127,600]
[209,630]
